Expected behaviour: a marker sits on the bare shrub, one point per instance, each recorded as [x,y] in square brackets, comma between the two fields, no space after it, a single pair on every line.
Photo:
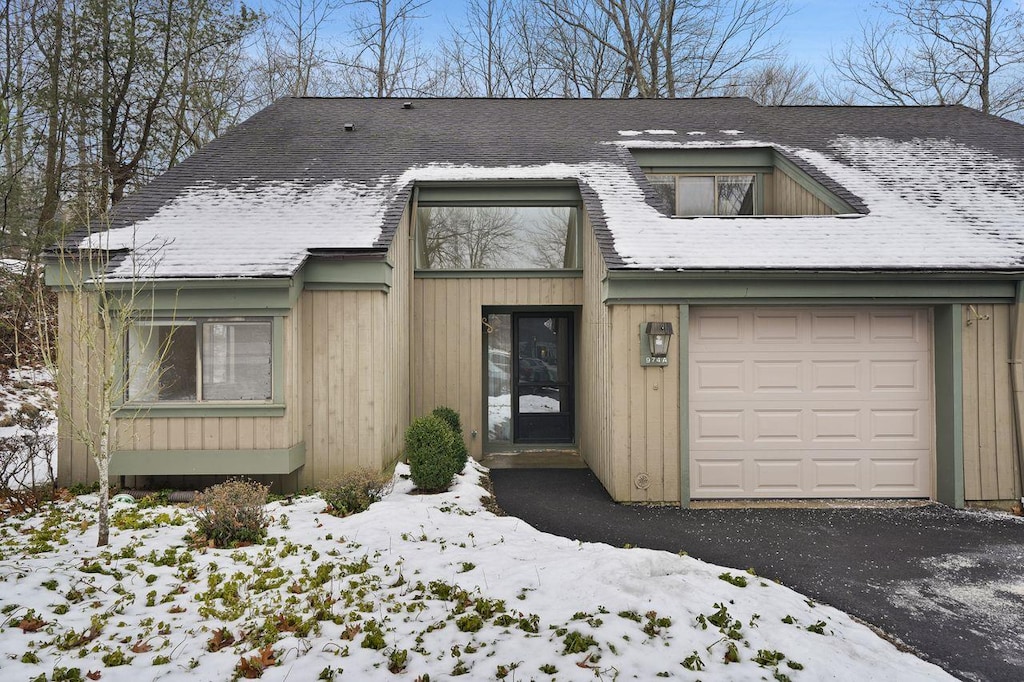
[27,477]
[231,514]
[355,491]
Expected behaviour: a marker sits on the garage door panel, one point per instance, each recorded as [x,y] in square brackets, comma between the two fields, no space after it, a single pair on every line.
[777,425]
[894,327]
[776,327]
[776,375]
[810,402]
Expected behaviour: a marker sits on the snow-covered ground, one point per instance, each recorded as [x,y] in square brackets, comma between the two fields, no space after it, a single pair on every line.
[28,428]
[420,584]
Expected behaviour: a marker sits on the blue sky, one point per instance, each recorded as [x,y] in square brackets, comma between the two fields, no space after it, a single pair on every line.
[809,32]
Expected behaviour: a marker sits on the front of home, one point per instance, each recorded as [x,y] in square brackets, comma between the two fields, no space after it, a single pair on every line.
[704,299]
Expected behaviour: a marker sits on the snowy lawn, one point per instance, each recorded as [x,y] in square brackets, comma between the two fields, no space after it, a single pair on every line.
[416,585]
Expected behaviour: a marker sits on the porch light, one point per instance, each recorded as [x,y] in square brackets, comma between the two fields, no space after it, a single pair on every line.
[659,335]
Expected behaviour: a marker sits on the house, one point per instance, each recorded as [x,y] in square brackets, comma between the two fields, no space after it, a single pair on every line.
[702,298]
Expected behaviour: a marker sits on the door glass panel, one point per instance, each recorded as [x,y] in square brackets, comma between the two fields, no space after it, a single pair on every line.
[499,374]
[542,347]
[541,399]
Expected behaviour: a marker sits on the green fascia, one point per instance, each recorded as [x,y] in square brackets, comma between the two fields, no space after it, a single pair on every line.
[518,193]
[346,275]
[694,287]
[716,158]
[949,406]
[206,297]
[684,405]
[498,274]
[207,462]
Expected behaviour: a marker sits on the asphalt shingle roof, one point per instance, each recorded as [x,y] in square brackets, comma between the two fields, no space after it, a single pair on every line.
[940,187]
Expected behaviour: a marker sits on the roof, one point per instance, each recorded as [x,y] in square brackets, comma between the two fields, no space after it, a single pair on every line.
[938,188]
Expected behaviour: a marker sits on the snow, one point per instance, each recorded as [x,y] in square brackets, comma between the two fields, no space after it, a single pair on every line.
[390,567]
[19,467]
[923,213]
[249,229]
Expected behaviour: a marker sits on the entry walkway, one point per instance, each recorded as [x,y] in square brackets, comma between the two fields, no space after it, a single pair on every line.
[948,584]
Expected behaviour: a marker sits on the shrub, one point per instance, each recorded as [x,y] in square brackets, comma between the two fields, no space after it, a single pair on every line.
[451,418]
[431,450]
[355,491]
[231,513]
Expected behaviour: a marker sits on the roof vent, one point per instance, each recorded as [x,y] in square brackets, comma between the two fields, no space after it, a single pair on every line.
[407,105]
[349,127]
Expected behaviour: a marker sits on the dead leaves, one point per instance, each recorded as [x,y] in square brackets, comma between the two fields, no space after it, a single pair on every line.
[31,624]
[221,638]
[252,667]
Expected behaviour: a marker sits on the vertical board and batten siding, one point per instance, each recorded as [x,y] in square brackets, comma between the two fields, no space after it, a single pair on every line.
[73,461]
[785,196]
[594,389]
[991,467]
[355,373]
[644,409]
[447,337]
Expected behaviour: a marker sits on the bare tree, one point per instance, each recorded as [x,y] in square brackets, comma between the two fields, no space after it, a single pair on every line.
[668,48]
[97,312]
[777,83]
[387,59]
[938,52]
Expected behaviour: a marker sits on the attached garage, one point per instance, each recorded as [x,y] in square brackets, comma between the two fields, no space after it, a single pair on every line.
[810,402]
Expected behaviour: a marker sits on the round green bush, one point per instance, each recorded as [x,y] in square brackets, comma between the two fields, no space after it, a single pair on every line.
[451,418]
[431,450]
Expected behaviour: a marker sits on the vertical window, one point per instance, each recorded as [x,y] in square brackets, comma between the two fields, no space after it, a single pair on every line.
[236,360]
[199,360]
[161,361]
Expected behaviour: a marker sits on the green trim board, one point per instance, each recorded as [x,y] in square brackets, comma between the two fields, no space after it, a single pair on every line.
[208,409]
[683,355]
[495,193]
[705,157]
[809,184]
[343,274]
[499,274]
[949,405]
[625,287]
[207,462]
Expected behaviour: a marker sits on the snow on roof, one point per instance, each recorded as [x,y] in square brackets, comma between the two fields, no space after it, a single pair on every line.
[931,204]
[252,229]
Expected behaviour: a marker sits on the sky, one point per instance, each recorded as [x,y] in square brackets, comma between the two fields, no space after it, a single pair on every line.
[808,33]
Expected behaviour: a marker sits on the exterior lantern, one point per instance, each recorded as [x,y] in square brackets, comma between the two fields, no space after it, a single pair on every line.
[657,337]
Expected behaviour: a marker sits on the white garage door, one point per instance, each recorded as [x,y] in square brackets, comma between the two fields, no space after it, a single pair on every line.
[810,402]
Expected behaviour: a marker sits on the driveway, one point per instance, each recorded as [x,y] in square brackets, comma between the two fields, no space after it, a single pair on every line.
[949,584]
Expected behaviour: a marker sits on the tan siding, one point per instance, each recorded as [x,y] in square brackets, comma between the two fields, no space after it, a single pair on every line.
[991,468]
[784,196]
[448,337]
[595,385]
[645,409]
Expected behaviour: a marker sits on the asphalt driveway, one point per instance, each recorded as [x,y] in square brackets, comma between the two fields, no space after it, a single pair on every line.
[949,584]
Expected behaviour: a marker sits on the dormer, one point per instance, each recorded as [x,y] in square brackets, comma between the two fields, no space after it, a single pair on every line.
[755,181]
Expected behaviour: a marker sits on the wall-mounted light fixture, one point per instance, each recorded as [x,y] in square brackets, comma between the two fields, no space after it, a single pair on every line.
[655,338]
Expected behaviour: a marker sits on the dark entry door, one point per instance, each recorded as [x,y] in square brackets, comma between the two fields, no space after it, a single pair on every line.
[542,365]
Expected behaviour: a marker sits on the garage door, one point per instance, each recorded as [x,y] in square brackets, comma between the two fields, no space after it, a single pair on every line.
[810,402]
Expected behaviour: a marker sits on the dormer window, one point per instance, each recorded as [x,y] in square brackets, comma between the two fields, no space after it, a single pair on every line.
[707,195]
[716,181]
[492,226]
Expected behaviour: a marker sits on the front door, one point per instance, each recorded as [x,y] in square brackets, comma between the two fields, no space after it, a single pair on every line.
[530,377]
